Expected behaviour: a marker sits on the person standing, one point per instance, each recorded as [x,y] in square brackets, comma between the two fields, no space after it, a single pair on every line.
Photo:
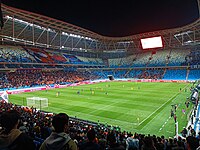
[175,107]
[175,118]
[172,113]
[10,137]
[91,144]
[59,139]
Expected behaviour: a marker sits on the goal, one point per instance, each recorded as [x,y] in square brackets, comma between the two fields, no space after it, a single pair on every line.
[37,102]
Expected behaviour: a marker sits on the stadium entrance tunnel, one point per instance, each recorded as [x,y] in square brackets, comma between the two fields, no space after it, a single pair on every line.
[110,77]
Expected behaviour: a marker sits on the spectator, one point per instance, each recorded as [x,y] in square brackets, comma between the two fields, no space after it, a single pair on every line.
[148,144]
[91,144]
[113,143]
[160,145]
[192,143]
[184,132]
[10,137]
[132,143]
[23,127]
[39,126]
[59,140]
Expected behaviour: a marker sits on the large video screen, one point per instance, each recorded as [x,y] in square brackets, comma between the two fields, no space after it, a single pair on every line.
[154,42]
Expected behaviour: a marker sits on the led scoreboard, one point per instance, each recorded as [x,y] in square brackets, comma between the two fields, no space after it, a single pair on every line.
[154,42]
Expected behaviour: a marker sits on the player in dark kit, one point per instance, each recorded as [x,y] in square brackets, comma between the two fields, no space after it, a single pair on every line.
[175,118]
[172,113]
[78,92]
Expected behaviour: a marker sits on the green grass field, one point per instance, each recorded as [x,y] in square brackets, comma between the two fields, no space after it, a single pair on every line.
[136,107]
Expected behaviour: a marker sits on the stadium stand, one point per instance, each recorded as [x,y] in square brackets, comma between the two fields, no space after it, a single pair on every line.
[175,74]
[194,74]
[158,58]
[30,78]
[142,59]
[90,60]
[177,57]
[14,54]
[194,57]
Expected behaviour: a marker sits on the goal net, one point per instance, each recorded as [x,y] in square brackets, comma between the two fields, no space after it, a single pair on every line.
[37,102]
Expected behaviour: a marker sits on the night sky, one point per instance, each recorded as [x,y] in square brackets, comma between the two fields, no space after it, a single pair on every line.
[115,17]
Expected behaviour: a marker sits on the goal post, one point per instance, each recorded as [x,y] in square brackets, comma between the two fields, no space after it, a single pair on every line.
[37,102]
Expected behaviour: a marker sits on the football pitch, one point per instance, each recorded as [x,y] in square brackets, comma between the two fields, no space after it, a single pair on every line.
[133,106]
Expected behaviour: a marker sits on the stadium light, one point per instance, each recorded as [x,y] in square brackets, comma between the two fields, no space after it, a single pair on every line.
[30,24]
[183,33]
[47,29]
[126,42]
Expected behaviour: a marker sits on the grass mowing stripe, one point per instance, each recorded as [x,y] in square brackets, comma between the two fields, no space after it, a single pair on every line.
[97,117]
[144,122]
[118,105]
[122,106]
[99,110]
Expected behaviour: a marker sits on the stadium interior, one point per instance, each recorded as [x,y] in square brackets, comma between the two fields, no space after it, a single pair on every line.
[37,51]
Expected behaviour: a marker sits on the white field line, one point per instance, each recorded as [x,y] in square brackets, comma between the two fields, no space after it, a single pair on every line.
[107,107]
[115,120]
[164,124]
[89,114]
[170,117]
[134,123]
[159,108]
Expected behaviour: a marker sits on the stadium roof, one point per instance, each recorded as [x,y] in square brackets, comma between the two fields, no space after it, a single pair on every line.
[33,29]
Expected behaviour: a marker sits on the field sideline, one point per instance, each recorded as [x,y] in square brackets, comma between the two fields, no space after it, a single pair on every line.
[134,106]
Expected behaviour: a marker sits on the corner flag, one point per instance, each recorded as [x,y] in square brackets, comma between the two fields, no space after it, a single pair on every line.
[4,96]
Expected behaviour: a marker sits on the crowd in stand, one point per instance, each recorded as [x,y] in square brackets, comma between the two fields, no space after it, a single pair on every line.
[37,77]
[51,131]
[151,74]
[15,56]
[25,78]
